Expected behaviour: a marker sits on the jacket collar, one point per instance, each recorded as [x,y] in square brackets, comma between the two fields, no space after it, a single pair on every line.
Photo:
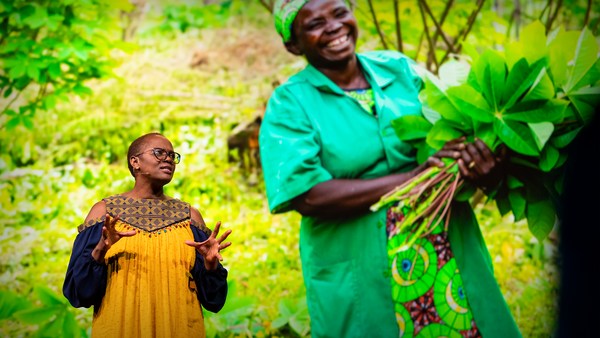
[376,75]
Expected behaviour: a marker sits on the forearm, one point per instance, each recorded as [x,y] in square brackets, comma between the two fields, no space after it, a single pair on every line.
[348,197]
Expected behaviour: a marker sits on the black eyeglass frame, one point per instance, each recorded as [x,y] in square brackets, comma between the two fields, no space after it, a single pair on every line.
[162,154]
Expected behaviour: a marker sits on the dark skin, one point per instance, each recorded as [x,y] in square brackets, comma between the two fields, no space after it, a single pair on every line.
[151,175]
[325,33]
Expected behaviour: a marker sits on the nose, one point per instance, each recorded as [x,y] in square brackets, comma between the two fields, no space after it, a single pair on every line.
[333,26]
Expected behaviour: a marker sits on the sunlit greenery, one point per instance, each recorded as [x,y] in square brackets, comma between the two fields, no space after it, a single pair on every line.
[56,164]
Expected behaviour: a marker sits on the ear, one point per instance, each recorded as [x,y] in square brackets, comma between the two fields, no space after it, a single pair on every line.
[135,162]
[293,48]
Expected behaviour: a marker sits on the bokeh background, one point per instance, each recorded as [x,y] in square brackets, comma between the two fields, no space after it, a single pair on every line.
[81,79]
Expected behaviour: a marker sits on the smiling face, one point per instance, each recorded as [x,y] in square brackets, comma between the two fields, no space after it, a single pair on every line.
[147,166]
[325,31]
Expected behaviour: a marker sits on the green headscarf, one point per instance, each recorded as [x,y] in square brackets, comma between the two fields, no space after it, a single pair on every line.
[285,12]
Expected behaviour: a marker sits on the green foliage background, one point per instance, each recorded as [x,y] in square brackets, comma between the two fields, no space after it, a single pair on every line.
[73,153]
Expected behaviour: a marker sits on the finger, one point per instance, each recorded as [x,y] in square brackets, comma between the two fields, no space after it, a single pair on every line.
[484,150]
[462,167]
[215,232]
[192,243]
[456,143]
[224,236]
[449,153]
[127,233]
[224,245]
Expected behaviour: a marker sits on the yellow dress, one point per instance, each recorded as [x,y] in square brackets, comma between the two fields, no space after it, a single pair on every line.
[150,289]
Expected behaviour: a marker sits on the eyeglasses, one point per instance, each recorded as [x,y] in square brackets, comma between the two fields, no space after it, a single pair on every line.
[161,154]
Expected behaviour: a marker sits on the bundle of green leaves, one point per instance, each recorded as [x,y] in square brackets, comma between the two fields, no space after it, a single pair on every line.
[533,98]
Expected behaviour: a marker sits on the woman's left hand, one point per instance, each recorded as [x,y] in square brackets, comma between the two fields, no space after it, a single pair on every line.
[480,165]
[210,248]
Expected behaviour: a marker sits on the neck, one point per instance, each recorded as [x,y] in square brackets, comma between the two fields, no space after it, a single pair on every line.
[346,76]
[146,191]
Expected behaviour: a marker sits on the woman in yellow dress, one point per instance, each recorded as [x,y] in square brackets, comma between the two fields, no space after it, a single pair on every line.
[145,261]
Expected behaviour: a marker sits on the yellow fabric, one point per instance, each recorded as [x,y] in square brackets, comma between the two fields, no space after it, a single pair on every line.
[148,286]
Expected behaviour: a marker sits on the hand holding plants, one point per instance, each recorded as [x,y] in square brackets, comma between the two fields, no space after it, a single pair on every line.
[210,248]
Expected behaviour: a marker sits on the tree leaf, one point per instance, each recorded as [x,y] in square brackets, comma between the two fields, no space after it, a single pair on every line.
[49,297]
[516,136]
[471,103]
[513,182]
[534,72]
[442,132]
[542,87]
[11,302]
[435,97]
[517,203]
[516,76]
[37,315]
[541,132]
[586,55]
[533,41]
[540,218]
[411,127]
[561,50]
[563,140]
[537,111]
[548,158]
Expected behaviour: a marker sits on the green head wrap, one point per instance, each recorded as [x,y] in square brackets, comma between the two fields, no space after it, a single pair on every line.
[285,12]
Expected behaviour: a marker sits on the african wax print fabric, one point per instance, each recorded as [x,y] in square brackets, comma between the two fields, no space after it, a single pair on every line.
[427,289]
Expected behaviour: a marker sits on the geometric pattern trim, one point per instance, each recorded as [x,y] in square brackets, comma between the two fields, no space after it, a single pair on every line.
[149,215]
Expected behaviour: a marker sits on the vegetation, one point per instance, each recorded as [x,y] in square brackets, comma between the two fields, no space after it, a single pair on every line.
[192,73]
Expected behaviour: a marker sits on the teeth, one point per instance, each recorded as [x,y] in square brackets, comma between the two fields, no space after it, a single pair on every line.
[338,41]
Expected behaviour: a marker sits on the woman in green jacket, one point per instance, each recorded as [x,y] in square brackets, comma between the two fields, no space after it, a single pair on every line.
[329,152]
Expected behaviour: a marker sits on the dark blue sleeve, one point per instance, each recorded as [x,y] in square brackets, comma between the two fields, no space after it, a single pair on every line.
[85,282]
[212,285]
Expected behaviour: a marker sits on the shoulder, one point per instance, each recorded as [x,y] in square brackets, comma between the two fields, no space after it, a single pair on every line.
[197,221]
[97,211]
[385,57]
[96,214]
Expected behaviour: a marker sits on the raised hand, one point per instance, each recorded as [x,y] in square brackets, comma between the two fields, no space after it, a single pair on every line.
[109,237]
[211,247]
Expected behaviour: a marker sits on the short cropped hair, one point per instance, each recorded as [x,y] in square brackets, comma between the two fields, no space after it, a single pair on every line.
[136,147]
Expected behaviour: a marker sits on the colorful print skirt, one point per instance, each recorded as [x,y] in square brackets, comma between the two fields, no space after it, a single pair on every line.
[427,289]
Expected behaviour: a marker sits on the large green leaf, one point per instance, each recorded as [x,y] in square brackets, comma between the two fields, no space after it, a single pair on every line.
[564,139]
[442,132]
[411,127]
[516,136]
[549,158]
[49,297]
[513,182]
[533,41]
[485,132]
[586,55]
[11,302]
[517,203]
[541,132]
[490,71]
[434,96]
[540,218]
[561,50]
[542,87]
[471,103]
[586,101]
[38,315]
[516,76]
[535,71]
[538,111]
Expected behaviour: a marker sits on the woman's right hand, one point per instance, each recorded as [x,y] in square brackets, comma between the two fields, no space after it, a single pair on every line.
[109,237]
